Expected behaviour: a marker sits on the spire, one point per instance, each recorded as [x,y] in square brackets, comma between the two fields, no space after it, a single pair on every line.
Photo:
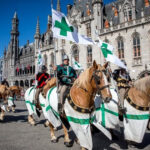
[49,24]
[58,5]
[37,34]
[15,15]
[49,19]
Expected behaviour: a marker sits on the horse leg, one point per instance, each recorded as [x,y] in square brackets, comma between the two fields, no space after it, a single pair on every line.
[82,148]
[46,123]
[67,140]
[8,108]
[114,137]
[13,109]
[52,134]
[31,120]
[2,115]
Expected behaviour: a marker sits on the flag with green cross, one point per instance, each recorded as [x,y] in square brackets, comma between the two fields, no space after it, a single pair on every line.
[108,54]
[64,30]
[76,65]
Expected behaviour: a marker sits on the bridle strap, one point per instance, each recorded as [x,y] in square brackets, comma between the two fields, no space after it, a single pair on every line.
[96,80]
[106,86]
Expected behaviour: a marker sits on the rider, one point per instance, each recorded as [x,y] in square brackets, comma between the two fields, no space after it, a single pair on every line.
[66,76]
[5,82]
[41,78]
[123,80]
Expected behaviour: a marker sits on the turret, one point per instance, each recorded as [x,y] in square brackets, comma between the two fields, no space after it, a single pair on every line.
[98,13]
[58,5]
[14,39]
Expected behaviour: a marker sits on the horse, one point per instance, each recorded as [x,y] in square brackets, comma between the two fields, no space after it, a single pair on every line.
[29,100]
[13,92]
[4,91]
[137,104]
[79,104]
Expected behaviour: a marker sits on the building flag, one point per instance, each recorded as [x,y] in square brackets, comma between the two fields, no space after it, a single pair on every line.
[107,51]
[64,30]
[76,65]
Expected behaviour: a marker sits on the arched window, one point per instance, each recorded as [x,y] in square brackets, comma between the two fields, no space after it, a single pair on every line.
[62,54]
[127,12]
[33,69]
[120,48]
[45,60]
[136,46]
[52,59]
[89,56]
[75,53]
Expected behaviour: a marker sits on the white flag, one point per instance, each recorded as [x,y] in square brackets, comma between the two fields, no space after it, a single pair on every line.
[76,65]
[39,60]
[107,51]
[64,30]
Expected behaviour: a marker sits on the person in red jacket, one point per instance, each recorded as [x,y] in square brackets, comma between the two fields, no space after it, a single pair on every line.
[41,78]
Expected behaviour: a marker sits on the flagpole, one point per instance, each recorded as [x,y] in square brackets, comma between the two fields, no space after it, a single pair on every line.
[54,43]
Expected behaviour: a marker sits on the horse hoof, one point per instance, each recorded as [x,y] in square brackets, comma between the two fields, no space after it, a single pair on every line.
[54,140]
[68,144]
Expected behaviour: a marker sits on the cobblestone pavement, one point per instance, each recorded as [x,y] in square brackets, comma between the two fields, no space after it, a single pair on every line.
[17,134]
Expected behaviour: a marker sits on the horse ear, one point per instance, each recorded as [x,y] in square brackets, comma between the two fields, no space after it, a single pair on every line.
[95,64]
[105,65]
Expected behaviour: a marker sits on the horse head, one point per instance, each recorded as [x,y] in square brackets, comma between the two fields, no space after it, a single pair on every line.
[99,80]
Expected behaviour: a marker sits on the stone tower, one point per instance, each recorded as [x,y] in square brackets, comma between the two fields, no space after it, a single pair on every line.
[98,13]
[14,42]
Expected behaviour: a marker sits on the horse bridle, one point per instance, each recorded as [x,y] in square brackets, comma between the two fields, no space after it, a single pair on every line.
[97,80]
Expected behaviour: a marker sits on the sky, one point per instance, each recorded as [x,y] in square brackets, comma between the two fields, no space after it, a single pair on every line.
[27,11]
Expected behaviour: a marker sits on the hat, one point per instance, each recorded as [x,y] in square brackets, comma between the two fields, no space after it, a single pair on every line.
[65,57]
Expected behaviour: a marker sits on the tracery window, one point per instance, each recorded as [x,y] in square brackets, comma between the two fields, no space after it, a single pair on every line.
[89,56]
[127,12]
[75,53]
[120,48]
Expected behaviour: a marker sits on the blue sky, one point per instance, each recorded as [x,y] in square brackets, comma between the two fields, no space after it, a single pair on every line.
[27,11]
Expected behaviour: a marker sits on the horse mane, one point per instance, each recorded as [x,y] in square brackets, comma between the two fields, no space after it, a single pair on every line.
[143,84]
[83,79]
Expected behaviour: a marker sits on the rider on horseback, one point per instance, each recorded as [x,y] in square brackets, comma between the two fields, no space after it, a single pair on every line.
[123,80]
[66,76]
[41,77]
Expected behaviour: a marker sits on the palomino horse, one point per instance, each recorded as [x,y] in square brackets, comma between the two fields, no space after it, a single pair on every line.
[13,91]
[137,104]
[79,105]
[4,91]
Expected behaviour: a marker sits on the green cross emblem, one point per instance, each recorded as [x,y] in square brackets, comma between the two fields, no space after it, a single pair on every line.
[63,26]
[105,50]
[77,64]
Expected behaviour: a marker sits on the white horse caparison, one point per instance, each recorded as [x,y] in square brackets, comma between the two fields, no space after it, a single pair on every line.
[135,121]
[54,122]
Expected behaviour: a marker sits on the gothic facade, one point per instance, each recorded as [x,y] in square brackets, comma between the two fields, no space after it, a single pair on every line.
[19,64]
[125,24]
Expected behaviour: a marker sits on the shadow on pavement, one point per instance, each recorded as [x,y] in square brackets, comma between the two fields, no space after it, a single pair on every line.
[11,118]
